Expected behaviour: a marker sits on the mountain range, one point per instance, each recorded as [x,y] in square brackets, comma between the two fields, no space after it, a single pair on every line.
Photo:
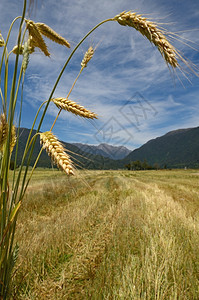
[80,158]
[176,149]
[113,152]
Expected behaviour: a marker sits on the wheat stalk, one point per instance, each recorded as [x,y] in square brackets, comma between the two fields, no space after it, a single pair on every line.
[56,151]
[151,31]
[51,34]
[3,130]
[71,106]
[87,57]
[36,37]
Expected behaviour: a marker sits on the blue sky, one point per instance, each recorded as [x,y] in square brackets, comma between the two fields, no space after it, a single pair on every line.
[127,83]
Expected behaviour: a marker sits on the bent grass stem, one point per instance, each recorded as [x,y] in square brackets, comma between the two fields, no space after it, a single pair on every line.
[67,97]
[52,92]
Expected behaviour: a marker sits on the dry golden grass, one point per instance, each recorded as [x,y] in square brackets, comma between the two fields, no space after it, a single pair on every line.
[127,235]
[152,32]
[18,49]
[36,30]
[3,130]
[104,236]
[87,57]
[56,151]
[13,138]
[36,37]
[2,43]
[71,106]
[52,35]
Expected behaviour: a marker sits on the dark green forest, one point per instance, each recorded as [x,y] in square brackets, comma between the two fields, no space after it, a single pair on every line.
[176,149]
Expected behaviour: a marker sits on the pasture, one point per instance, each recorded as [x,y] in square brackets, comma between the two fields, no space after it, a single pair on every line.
[109,235]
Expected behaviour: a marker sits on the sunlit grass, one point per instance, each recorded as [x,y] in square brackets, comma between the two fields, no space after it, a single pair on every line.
[109,235]
[67,225]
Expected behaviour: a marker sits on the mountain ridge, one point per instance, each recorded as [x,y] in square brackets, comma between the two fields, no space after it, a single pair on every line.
[106,150]
[80,158]
[177,148]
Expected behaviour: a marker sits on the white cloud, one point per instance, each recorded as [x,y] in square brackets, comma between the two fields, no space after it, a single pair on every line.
[124,63]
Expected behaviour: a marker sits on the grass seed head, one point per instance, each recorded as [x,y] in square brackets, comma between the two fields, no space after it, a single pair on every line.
[13,138]
[18,50]
[3,130]
[51,34]
[26,54]
[36,37]
[71,106]
[56,151]
[151,31]
[31,45]
[1,43]
[87,57]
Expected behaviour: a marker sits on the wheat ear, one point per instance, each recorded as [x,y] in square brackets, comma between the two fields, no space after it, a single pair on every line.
[2,43]
[13,138]
[71,106]
[36,37]
[26,54]
[87,57]
[3,130]
[151,31]
[18,50]
[57,152]
[51,34]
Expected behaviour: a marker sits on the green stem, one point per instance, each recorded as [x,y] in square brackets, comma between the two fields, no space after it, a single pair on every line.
[6,78]
[2,99]
[66,98]
[6,158]
[5,46]
[74,82]
[6,246]
[51,95]
[27,147]
[32,171]
[19,123]
[64,67]
[55,119]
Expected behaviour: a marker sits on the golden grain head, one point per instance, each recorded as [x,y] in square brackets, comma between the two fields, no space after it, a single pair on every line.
[51,34]
[26,54]
[71,106]
[36,37]
[31,44]
[57,152]
[18,49]
[2,44]
[152,32]
[13,138]
[87,57]
[3,130]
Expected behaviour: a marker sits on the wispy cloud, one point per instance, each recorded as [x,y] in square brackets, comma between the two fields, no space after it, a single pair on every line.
[124,64]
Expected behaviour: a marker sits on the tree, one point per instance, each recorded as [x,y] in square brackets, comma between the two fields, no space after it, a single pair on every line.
[128,166]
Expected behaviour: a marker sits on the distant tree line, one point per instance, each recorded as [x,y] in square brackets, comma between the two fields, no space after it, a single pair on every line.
[139,165]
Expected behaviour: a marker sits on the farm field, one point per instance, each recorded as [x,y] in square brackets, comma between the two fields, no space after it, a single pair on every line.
[109,235]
